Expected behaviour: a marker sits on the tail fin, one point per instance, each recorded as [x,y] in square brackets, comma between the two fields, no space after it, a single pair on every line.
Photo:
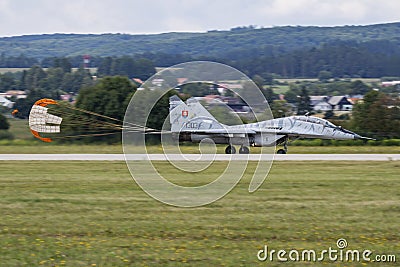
[181,113]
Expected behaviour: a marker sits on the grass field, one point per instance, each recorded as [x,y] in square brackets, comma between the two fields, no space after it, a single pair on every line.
[93,214]
[20,129]
[12,70]
[44,148]
[280,89]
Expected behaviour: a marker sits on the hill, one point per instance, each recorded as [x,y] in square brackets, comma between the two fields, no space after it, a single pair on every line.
[245,41]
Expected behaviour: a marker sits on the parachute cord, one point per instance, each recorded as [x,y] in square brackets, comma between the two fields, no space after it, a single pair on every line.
[94,113]
[84,135]
[90,126]
[93,124]
[110,118]
[89,120]
[99,125]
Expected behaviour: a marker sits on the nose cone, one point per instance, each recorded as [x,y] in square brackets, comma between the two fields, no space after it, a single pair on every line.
[357,136]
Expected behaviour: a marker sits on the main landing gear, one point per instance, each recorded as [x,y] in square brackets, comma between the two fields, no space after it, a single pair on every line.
[284,150]
[281,151]
[244,150]
[232,150]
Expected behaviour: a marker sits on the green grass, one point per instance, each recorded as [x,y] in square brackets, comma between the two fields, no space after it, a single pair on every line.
[280,89]
[45,148]
[93,214]
[20,129]
[12,70]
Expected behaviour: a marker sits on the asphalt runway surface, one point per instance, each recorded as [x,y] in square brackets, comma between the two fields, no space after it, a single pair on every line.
[203,157]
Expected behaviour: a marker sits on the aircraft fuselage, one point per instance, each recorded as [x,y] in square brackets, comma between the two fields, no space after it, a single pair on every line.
[265,133]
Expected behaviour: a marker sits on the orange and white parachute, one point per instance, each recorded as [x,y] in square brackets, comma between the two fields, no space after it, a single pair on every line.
[40,121]
[46,117]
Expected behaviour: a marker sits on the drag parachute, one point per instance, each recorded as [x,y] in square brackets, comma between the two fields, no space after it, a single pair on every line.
[50,119]
[40,121]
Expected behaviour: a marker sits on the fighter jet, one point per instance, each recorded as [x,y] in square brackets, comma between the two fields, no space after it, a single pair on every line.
[192,122]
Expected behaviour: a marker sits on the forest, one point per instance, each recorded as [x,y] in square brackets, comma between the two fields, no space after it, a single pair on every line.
[346,51]
[214,43]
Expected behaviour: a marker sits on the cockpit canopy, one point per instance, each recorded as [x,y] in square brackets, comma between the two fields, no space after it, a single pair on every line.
[315,120]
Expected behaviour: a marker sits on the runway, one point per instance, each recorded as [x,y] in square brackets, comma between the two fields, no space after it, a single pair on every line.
[198,157]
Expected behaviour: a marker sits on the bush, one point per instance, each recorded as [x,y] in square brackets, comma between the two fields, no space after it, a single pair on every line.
[374,143]
[359,142]
[4,125]
[19,142]
[6,135]
[391,142]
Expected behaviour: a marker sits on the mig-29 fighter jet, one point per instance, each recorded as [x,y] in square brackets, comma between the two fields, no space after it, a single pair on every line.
[190,121]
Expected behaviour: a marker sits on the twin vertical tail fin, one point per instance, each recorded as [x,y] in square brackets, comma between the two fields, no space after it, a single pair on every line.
[190,115]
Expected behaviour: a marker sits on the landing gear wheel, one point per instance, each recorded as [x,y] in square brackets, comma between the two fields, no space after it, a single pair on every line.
[281,151]
[230,150]
[244,150]
[285,148]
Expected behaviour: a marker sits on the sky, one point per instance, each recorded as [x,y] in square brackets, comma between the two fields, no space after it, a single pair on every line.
[24,17]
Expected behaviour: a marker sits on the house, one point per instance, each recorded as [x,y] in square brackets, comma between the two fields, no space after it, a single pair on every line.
[223,87]
[340,103]
[315,99]
[234,103]
[211,98]
[320,103]
[67,97]
[157,82]
[137,81]
[356,99]
[4,102]
[181,80]
[18,94]
[325,103]
[322,106]
[390,83]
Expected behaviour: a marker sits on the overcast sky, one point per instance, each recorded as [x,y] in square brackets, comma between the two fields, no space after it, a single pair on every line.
[21,17]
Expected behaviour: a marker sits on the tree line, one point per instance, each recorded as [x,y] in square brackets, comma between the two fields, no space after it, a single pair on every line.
[59,79]
[214,43]
[341,59]
[378,115]
[337,59]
